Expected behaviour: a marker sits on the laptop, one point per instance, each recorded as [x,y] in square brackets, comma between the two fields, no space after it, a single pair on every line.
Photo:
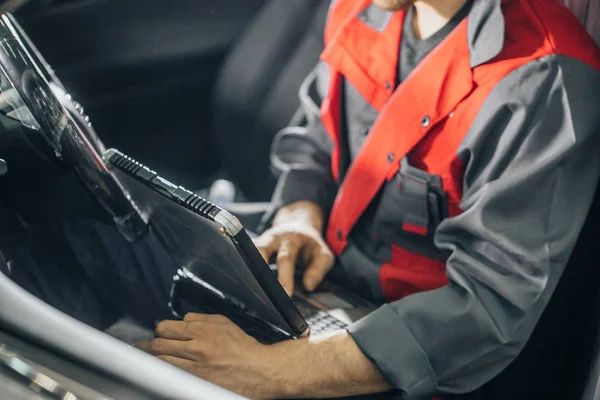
[221,270]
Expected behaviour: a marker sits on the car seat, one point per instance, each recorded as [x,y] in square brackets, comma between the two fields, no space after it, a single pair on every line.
[256,93]
[588,12]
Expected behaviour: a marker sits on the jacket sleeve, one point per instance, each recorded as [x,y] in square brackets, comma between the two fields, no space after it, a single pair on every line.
[302,156]
[532,167]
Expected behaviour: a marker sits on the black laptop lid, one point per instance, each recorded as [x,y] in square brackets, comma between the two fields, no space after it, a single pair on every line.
[199,246]
[38,101]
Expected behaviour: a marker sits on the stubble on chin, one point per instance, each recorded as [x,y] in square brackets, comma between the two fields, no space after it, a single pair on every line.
[393,5]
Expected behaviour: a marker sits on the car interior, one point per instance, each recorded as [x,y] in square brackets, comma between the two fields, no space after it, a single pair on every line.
[198,90]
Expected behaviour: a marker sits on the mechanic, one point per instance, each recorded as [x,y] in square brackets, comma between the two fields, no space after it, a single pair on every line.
[496,102]
[493,101]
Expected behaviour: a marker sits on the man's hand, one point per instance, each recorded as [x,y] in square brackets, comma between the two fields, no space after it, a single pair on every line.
[297,237]
[215,349]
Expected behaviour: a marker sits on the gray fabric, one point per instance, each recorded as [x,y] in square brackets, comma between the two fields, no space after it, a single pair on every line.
[301,184]
[486,31]
[307,175]
[413,50]
[506,259]
[486,28]
[486,37]
[359,117]
[531,172]
[362,272]
[375,17]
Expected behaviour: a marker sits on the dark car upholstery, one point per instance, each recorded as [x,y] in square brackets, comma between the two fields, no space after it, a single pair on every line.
[587,382]
[256,92]
[588,13]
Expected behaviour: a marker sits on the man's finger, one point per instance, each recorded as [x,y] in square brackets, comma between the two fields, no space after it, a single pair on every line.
[267,245]
[321,264]
[176,330]
[166,347]
[206,318]
[265,254]
[182,363]
[287,256]
[144,346]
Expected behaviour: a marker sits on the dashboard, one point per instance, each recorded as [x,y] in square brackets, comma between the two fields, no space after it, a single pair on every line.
[44,354]
[46,130]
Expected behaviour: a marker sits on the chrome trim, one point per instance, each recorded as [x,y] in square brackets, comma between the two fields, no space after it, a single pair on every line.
[70,103]
[230,223]
[108,154]
[37,381]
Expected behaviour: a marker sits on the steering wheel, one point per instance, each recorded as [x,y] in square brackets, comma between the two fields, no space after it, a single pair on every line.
[74,108]
[31,94]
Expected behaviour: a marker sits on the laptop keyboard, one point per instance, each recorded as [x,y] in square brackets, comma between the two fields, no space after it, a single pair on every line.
[323,322]
[319,321]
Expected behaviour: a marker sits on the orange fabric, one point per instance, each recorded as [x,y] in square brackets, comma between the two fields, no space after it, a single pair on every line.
[428,116]
[331,118]
[417,273]
[419,230]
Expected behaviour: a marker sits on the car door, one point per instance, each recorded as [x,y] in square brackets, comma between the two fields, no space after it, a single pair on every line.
[143,70]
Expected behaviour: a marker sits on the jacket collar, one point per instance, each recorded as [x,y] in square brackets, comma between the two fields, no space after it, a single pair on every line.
[486,31]
[486,28]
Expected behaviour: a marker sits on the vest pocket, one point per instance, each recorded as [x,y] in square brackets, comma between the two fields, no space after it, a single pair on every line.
[413,204]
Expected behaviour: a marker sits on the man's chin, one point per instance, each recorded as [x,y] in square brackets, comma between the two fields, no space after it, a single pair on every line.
[393,5]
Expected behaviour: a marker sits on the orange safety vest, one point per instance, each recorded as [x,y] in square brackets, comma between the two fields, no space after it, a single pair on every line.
[425,118]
